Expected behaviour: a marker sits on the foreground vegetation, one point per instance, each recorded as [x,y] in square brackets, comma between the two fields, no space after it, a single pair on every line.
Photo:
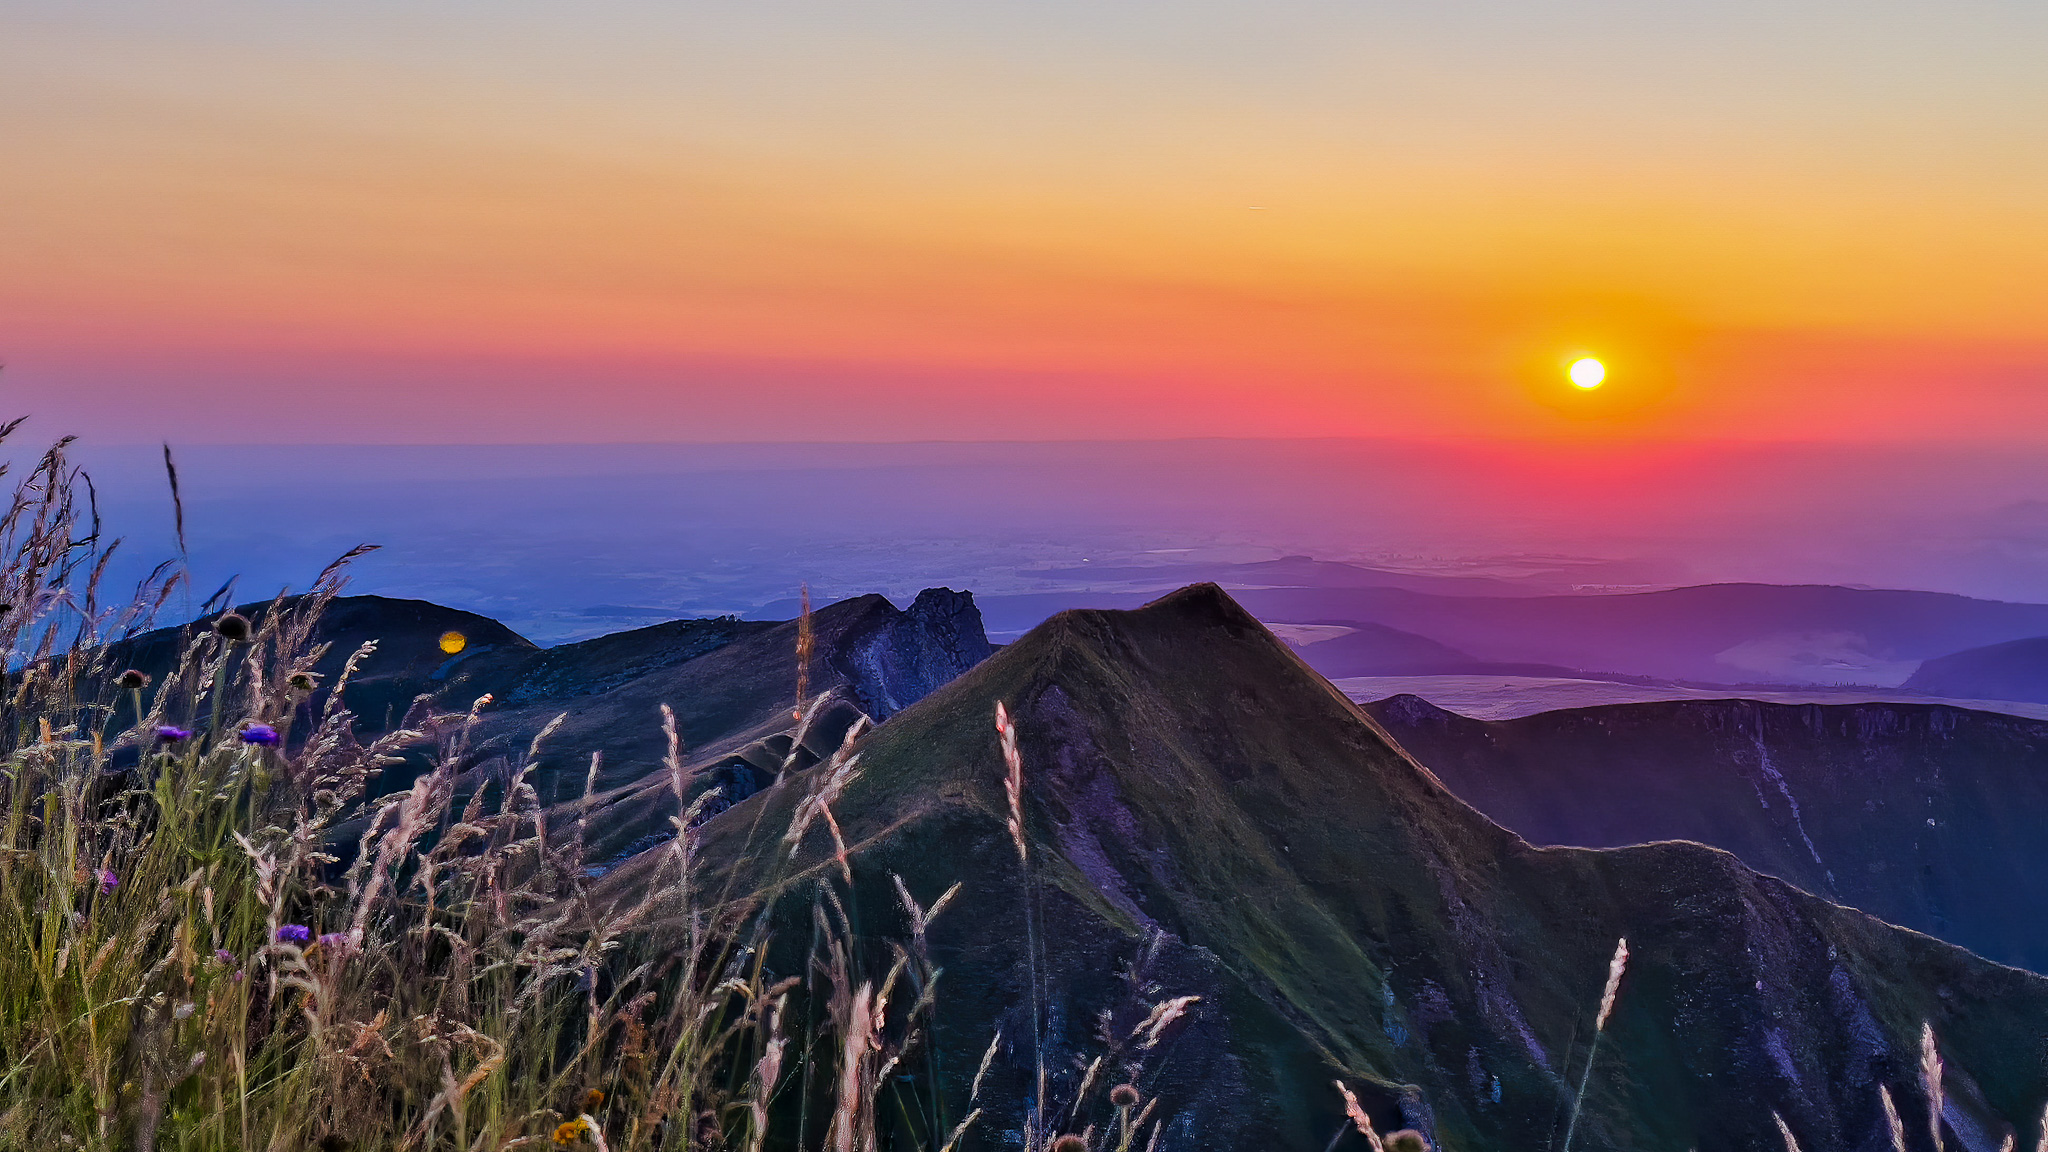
[219,930]
[216,933]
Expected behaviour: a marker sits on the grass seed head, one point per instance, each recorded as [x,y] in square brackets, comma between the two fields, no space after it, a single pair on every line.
[232,627]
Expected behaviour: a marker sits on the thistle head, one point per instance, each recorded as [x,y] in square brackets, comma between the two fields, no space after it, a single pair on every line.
[1405,1140]
[1070,1143]
[232,627]
[1124,1096]
[132,680]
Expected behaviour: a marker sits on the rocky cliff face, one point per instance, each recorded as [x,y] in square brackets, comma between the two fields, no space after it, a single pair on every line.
[891,662]
[1206,817]
[1926,816]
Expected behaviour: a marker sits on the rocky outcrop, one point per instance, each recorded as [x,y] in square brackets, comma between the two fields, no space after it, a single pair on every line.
[892,662]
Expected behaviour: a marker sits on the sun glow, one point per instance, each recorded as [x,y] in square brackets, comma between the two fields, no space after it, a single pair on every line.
[1587,373]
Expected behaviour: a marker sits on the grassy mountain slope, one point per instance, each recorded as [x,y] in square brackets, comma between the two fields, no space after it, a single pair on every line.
[1924,815]
[1209,817]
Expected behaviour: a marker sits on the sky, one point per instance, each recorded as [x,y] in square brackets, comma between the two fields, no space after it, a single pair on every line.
[432,221]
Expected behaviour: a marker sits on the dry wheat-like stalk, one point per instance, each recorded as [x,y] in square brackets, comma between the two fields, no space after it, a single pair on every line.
[1615,968]
[1930,1079]
[1896,1126]
[806,644]
[1785,1130]
[1355,1111]
[1162,1017]
[1013,778]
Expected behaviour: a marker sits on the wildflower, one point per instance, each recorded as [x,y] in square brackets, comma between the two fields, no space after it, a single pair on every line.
[224,956]
[262,734]
[166,734]
[108,881]
[232,627]
[294,934]
[1124,1096]
[570,1131]
[1406,1140]
[183,1010]
[303,681]
[593,1100]
[1070,1143]
[133,680]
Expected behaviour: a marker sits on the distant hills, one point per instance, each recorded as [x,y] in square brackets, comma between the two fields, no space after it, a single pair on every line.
[1707,634]
[2015,670]
[1927,816]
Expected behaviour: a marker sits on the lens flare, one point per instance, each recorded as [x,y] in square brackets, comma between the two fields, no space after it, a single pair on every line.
[1587,373]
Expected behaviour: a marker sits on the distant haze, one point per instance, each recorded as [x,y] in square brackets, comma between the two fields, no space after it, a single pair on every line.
[563,541]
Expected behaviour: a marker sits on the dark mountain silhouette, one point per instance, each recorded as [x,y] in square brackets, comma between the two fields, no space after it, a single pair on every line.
[1208,817]
[2014,670]
[731,683]
[1924,815]
[1713,634]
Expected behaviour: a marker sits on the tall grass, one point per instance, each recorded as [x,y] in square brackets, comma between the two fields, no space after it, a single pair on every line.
[220,929]
[194,956]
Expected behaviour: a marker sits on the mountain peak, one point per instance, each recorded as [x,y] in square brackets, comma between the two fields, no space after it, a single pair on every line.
[1208,816]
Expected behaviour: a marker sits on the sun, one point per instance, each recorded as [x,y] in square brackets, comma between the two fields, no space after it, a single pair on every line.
[1587,373]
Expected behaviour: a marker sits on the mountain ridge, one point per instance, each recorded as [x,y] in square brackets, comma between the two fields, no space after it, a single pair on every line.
[1189,780]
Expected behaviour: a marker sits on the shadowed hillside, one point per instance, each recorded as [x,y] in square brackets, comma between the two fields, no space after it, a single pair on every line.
[1924,815]
[1207,817]
[731,684]
[2015,670]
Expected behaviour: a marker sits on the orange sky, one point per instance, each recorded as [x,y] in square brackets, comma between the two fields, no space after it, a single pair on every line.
[453,221]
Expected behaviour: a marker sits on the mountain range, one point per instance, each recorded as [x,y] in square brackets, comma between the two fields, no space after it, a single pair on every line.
[1707,634]
[1205,816]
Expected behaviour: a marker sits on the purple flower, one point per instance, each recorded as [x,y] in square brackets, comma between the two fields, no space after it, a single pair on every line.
[334,941]
[294,934]
[224,956]
[108,881]
[262,734]
[169,735]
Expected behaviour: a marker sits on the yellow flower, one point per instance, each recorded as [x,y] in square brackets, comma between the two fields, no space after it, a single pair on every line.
[572,1131]
[593,1100]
